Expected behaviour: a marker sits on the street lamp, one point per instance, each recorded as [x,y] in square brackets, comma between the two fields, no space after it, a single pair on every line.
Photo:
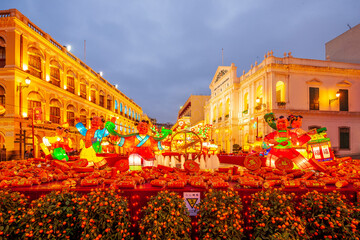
[337,97]
[19,88]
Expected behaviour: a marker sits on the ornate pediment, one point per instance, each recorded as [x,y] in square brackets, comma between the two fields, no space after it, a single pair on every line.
[221,74]
[344,83]
[314,82]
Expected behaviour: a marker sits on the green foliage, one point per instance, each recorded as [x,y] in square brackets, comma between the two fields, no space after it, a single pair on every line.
[53,216]
[220,215]
[328,216]
[105,214]
[165,217]
[272,216]
[12,211]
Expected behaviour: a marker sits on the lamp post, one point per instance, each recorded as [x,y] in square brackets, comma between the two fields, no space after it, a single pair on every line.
[337,97]
[19,88]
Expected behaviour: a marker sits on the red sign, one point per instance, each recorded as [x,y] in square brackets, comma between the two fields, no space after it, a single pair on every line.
[37,114]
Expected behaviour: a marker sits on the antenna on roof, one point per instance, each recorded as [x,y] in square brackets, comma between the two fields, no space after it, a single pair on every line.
[348,26]
[222,56]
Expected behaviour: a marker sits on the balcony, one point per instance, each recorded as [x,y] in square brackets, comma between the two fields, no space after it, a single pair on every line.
[281,104]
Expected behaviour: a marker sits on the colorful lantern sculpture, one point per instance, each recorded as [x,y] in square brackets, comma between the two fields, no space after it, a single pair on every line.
[93,138]
[282,151]
[56,145]
[139,143]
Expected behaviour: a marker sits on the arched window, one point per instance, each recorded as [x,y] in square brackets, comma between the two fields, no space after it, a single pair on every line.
[121,128]
[2,53]
[93,94]
[129,112]
[259,96]
[227,108]
[34,100]
[70,115]
[35,57]
[214,114]
[83,117]
[55,73]
[109,102]
[55,107]
[83,88]
[220,111]
[125,110]
[246,102]
[132,114]
[70,82]
[2,96]
[102,99]
[121,107]
[280,91]
[116,107]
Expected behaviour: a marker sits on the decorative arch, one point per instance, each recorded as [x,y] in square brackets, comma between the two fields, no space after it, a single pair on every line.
[56,102]
[55,63]
[71,73]
[93,86]
[71,107]
[35,96]
[36,51]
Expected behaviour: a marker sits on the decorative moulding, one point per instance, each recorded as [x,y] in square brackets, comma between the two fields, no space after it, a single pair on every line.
[314,82]
[344,83]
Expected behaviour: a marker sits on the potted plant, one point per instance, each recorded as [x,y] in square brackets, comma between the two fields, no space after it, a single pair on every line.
[165,217]
[53,216]
[220,215]
[272,216]
[328,216]
[12,211]
[104,214]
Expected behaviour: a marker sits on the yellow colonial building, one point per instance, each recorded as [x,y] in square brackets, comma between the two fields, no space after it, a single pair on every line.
[39,75]
[284,86]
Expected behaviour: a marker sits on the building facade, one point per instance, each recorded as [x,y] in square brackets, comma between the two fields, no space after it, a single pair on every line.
[286,86]
[62,88]
[193,109]
[345,47]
